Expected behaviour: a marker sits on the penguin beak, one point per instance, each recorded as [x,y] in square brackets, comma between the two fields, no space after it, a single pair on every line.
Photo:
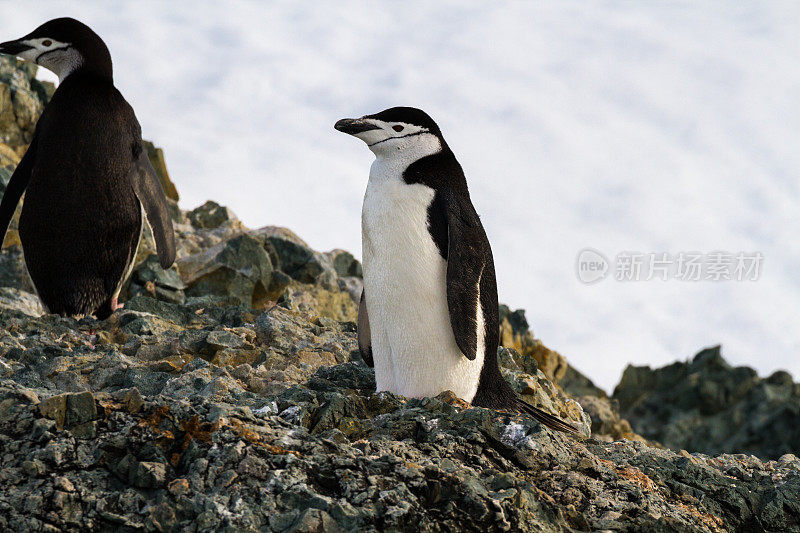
[13,48]
[353,126]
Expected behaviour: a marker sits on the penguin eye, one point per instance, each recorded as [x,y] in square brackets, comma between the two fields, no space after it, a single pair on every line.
[397,128]
[47,42]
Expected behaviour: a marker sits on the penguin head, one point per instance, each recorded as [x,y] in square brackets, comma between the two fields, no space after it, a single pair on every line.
[398,129]
[63,46]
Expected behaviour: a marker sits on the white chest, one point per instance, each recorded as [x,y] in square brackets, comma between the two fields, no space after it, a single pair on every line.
[394,221]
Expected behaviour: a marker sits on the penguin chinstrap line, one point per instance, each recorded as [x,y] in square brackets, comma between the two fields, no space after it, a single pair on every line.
[86,177]
[428,320]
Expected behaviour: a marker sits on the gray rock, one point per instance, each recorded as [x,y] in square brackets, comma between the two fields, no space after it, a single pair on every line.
[70,410]
[345,264]
[278,284]
[516,334]
[17,300]
[156,156]
[80,409]
[239,268]
[149,475]
[297,259]
[577,385]
[22,99]
[708,406]
[607,424]
[210,215]
[179,314]
[149,278]
[220,339]
[13,272]
[353,286]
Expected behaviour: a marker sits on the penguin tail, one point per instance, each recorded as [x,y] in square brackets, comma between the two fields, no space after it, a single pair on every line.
[551,421]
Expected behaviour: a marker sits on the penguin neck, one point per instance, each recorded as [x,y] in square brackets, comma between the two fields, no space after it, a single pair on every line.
[437,170]
[92,60]
[394,160]
[89,70]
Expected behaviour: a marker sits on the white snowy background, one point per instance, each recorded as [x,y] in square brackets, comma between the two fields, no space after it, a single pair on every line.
[651,126]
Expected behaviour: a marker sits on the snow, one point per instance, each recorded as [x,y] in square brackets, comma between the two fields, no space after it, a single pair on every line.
[650,127]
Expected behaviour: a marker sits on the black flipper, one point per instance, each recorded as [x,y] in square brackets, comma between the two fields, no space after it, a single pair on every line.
[364,337]
[148,189]
[545,418]
[470,265]
[466,259]
[16,187]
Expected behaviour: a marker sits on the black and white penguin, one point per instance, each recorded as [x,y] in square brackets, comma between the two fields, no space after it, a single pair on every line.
[86,178]
[428,318]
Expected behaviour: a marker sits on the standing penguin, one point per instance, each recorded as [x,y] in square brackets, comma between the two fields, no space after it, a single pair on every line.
[87,177]
[428,318]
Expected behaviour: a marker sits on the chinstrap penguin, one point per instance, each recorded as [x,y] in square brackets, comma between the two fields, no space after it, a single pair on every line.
[428,317]
[86,177]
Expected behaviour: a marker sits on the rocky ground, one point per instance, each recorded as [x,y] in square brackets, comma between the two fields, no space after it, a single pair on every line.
[229,395]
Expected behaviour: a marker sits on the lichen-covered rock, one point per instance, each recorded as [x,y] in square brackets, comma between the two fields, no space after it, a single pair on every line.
[317,301]
[345,264]
[17,300]
[156,156]
[297,259]
[535,388]
[149,278]
[13,272]
[210,215]
[22,99]
[194,398]
[706,405]
[8,162]
[576,384]
[606,421]
[331,455]
[349,272]
[239,267]
[515,333]
[353,286]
